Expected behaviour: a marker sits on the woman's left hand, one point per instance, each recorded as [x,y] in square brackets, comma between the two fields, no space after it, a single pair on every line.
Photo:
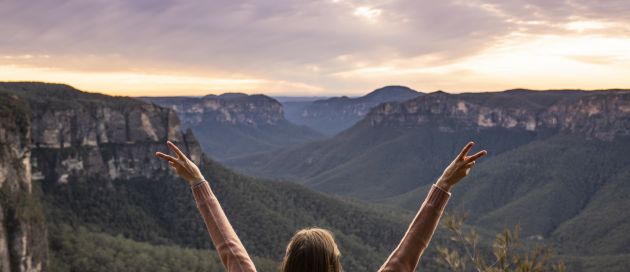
[183,166]
[459,167]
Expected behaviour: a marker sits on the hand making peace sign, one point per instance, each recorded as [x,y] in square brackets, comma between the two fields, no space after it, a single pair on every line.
[459,168]
[183,166]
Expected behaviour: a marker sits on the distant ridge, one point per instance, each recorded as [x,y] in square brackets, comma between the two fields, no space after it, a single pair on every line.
[439,122]
[335,114]
[229,95]
[231,125]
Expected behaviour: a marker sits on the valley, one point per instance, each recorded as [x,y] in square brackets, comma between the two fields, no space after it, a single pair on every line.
[82,166]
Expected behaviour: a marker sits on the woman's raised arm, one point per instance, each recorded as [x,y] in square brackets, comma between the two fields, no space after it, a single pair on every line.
[233,255]
[406,256]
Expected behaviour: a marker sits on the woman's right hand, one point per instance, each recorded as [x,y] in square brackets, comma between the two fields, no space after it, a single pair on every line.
[183,166]
[459,168]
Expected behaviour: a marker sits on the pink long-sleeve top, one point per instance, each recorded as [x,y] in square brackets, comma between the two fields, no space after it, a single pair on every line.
[404,258]
[231,251]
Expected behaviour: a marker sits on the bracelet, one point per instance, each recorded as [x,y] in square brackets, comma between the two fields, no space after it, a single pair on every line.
[197,183]
[447,190]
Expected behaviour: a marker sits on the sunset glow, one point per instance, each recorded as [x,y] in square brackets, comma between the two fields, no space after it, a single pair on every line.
[315,48]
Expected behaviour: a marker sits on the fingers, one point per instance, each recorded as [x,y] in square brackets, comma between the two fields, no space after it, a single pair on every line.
[476,156]
[165,157]
[469,165]
[174,148]
[172,161]
[467,148]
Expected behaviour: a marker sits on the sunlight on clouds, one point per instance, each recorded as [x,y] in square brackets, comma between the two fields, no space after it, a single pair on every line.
[344,57]
[555,62]
[371,14]
[586,25]
[393,68]
[368,72]
[492,9]
[530,53]
[520,60]
[25,57]
[149,84]
[517,60]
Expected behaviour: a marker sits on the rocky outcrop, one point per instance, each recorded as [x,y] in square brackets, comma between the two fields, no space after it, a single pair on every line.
[54,134]
[229,108]
[91,125]
[602,115]
[105,161]
[23,242]
[82,136]
[450,112]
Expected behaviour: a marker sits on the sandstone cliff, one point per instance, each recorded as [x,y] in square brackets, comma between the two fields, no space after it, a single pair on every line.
[55,134]
[229,108]
[23,241]
[82,136]
[602,115]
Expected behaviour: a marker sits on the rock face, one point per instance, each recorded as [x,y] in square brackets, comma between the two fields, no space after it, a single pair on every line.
[92,125]
[53,135]
[81,136]
[338,113]
[229,108]
[602,115]
[23,241]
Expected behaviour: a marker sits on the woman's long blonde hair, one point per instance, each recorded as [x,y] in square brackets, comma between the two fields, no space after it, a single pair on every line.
[312,250]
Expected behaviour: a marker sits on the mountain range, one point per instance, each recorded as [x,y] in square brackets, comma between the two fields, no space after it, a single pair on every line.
[558,162]
[97,198]
[81,188]
[335,114]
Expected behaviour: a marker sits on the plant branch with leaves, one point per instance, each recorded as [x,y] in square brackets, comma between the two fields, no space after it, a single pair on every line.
[509,253]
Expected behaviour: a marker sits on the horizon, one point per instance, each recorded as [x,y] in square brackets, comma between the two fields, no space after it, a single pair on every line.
[194,48]
[305,98]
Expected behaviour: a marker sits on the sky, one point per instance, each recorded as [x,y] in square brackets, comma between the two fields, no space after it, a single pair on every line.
[315,48]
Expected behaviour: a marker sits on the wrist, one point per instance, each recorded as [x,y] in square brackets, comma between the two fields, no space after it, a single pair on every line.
[195,182]
[444,185]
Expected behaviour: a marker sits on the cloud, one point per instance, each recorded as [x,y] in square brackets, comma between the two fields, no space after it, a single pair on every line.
[594,59]
[370,14]
[303,42]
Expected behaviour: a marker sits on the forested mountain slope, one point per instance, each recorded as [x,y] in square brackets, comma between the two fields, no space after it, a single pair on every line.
[94,170]
[558,163]
[400,146]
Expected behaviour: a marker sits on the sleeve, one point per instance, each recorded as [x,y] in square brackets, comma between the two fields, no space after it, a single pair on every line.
[231,251]
[407,254]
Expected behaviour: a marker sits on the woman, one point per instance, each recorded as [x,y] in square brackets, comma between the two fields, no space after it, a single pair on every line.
[315,250]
